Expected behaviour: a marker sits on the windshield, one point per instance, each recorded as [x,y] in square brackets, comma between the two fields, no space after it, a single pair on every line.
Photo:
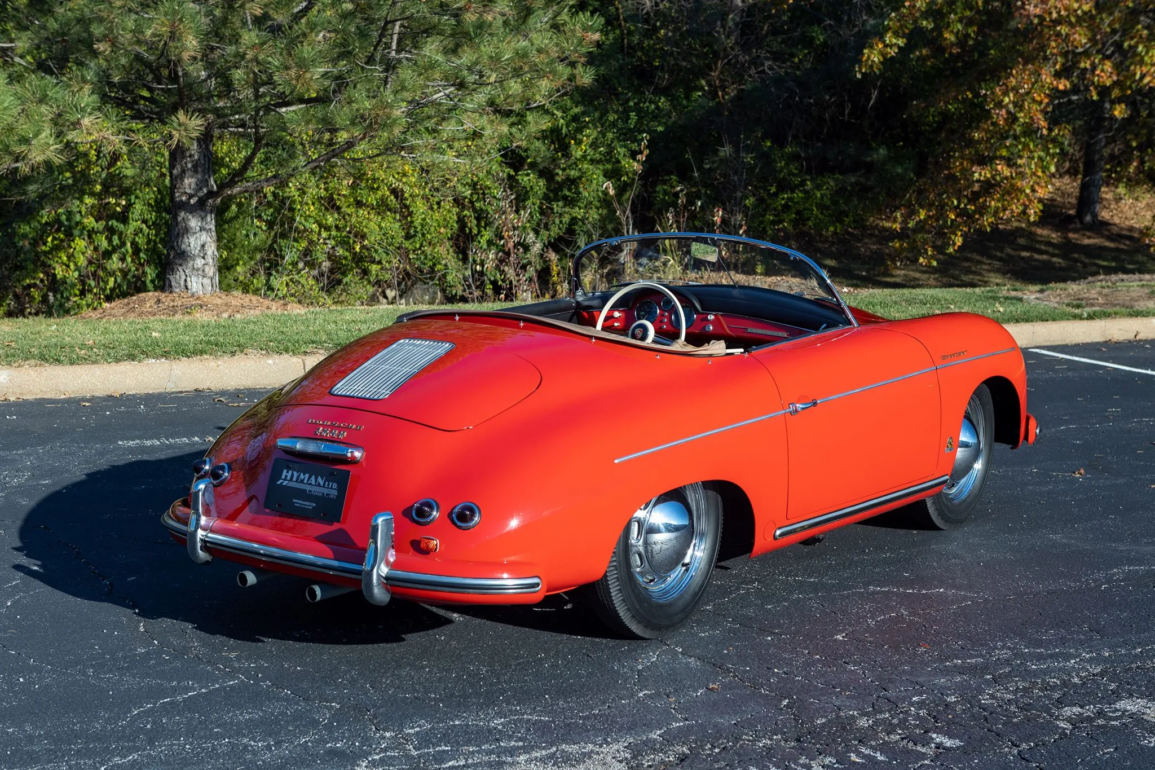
[699,258]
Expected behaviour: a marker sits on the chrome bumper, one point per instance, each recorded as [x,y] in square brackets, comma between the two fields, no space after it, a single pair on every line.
[417,581]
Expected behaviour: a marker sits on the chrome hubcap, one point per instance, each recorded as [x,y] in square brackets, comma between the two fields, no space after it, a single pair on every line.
[667,538]
[968,459]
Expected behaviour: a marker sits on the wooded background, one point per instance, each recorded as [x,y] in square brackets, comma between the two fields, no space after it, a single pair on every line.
[931,119]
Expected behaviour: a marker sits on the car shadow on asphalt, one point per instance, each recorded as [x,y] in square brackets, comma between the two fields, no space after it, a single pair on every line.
[100,539]
[912,516]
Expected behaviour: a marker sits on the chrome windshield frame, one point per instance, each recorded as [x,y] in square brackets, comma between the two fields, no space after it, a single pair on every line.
[576,289]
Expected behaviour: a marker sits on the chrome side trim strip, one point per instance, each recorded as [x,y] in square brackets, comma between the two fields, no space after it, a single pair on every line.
[413,580]
[751,421]
[816,402]
[854,510]
[865,388]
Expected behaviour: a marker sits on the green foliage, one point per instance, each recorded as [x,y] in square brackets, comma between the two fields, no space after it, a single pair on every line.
[376,232]
[93,232]
[1002,92]
[474,147]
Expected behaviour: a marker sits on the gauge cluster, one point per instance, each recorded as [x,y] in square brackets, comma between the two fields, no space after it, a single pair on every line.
[668,306]
[647,310]
[662,314]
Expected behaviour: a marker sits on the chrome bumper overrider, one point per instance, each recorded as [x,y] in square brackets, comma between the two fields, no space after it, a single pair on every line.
[203,538]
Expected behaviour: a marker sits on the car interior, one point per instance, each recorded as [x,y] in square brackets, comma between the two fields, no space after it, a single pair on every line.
[739,317]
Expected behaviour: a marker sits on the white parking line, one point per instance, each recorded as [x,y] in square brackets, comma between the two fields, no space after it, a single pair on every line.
[1091,361]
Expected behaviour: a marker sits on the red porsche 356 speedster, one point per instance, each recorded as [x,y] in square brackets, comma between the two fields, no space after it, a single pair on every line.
[602,441]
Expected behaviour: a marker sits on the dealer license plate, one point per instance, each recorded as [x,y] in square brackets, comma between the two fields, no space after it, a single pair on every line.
[307,489]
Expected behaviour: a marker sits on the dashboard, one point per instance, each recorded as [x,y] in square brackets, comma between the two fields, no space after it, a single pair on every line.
[701,326]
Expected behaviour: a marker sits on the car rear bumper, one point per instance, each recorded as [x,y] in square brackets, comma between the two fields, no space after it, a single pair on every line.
[416,585]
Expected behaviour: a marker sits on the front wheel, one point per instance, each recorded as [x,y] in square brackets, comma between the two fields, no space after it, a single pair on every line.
[955,503]
[661,564]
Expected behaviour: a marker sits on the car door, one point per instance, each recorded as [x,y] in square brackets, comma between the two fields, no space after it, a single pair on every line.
[863,416]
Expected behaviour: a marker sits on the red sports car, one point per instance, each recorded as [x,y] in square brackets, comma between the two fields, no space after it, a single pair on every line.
[602,441]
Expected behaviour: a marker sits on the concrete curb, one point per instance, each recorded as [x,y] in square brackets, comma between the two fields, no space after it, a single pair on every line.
[240,372]
[228,373]
[1045,333]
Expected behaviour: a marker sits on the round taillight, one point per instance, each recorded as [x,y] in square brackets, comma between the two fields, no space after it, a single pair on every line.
[201,467]
[219,474]
[465,516]
[425,511]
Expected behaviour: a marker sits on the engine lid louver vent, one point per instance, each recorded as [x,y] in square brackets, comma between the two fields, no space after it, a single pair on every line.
[387,371]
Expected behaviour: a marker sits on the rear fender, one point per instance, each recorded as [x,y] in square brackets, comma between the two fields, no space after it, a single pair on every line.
[971,350]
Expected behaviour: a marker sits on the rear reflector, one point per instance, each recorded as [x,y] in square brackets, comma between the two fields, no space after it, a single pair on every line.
[387,371]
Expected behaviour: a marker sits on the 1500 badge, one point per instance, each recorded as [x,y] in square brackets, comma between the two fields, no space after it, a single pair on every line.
[329,429]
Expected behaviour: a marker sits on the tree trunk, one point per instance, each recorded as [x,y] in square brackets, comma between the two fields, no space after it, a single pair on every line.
[1094,163]
[191,264]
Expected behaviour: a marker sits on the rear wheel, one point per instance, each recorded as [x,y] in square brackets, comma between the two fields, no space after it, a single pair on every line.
[661,564]
[954,504]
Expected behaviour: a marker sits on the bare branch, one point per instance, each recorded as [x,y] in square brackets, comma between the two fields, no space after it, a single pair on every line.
[275,179]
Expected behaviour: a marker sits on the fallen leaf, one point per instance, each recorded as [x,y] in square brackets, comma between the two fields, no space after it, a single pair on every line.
[8,344]
[1079,472]
[220,399]
[714,687]
[156,334]
[234,404]
[85,403]
[924,645]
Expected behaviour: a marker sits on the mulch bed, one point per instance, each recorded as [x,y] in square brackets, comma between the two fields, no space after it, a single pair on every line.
[156,304]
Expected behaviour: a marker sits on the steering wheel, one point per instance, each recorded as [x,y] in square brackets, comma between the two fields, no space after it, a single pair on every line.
[645,326]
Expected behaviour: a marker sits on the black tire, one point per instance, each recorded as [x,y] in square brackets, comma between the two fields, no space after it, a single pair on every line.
[634,608]
[954,504]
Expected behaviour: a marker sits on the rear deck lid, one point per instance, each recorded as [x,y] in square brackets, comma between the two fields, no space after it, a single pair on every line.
[449,376]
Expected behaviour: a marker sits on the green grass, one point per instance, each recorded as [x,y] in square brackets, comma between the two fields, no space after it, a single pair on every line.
[80,341]
[75,341]
[1000,304]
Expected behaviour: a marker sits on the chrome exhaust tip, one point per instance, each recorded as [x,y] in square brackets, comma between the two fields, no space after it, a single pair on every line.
[319,592]
[247,578]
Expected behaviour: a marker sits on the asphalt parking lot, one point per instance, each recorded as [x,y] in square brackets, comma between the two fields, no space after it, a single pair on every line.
[1024,639]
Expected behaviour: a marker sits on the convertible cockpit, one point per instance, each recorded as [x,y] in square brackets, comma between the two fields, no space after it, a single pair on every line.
[696,292]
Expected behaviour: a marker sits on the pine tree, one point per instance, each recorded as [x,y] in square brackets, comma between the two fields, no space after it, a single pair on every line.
[298,83]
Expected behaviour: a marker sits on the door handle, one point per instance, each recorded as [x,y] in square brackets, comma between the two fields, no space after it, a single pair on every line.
[796,408]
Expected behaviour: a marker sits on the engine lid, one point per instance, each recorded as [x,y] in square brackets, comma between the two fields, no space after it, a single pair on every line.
[446,376]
